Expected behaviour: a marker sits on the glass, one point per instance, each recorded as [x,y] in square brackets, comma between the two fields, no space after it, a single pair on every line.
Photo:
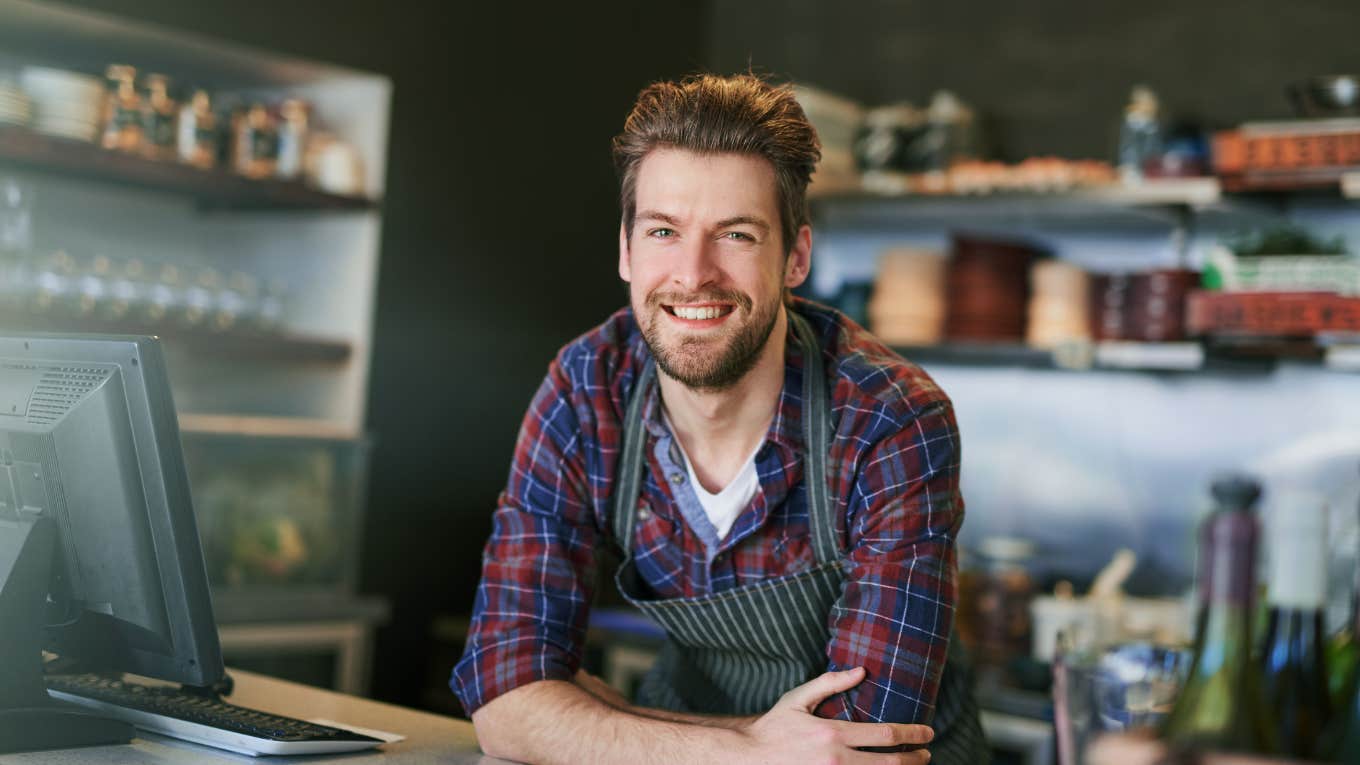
[1125,687]
[994,608]
[16,241]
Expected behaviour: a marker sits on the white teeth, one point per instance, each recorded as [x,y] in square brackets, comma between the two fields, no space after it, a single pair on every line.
[708,312]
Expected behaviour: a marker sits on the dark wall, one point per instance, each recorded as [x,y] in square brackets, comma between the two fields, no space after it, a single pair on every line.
[1048,77]
[499,244]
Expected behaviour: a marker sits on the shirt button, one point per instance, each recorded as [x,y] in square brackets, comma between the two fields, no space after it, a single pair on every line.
[677,478]
[643,513]
[720,558]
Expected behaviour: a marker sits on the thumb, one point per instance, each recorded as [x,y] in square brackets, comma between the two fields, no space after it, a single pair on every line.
[808,695]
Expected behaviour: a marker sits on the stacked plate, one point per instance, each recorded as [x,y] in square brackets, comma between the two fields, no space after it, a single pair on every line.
[908,303]
[65,104]
[15,108]
[988,289]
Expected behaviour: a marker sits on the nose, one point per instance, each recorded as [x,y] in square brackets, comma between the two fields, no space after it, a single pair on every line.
[696,266]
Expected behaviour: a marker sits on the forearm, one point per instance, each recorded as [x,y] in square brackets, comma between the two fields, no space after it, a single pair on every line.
[553,721]
[726,722]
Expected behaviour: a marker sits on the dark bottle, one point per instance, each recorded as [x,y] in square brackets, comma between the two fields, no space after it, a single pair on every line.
[1343,650]
[1293,661]
[1220,706]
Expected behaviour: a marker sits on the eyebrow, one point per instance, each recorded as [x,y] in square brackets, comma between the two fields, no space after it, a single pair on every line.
[749,220]
[658,215]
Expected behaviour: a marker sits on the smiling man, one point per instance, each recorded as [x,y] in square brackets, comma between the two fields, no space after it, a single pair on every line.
[782,488]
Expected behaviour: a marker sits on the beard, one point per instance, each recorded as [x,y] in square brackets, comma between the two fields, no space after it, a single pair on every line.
[716,362]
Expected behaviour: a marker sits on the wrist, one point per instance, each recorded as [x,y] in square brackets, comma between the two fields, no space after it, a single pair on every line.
[731,745]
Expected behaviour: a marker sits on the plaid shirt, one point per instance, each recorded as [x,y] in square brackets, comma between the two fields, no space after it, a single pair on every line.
[894,486]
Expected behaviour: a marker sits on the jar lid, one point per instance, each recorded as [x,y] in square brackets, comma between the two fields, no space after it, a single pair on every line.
[1002,548]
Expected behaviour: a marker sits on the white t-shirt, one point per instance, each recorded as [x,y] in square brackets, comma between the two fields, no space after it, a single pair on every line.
[723,508]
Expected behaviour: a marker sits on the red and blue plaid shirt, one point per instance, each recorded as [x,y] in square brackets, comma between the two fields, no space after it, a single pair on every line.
[894,483]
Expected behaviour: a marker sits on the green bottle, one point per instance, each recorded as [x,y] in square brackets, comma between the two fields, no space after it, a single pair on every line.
[1220,707]
[1342,740]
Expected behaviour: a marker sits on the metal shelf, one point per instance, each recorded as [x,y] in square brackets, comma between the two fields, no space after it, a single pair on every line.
[1128,356]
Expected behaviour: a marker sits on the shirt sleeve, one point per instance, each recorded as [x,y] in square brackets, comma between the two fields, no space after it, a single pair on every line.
[530,612]
[897,606]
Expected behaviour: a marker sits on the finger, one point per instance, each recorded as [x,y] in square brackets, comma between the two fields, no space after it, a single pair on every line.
[810,694]
[883,734]
[896,758]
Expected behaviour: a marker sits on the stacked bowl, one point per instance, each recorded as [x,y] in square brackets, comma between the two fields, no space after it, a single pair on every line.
[65,104]
[1059,308]
[907,307]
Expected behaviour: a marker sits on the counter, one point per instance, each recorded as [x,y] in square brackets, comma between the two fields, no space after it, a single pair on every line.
[429,738]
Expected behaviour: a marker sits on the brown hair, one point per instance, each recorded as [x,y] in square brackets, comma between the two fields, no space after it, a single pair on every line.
[708,114]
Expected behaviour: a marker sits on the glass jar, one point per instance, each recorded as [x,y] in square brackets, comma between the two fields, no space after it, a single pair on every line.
[196,131]
[158,119]
[122,110]
[994,607]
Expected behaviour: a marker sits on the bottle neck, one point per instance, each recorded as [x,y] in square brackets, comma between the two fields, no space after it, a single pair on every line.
[1227,569]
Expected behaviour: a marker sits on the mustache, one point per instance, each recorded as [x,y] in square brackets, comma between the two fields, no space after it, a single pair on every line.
[657,298]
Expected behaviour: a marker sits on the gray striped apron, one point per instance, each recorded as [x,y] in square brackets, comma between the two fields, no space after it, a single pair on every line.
[736,652]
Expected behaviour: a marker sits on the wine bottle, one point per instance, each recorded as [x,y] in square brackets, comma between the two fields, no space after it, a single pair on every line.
[1293,664]
[1343,649]
[1220,707]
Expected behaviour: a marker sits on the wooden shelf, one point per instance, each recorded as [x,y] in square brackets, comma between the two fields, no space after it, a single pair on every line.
[263,427]
[212,189]
[241,343]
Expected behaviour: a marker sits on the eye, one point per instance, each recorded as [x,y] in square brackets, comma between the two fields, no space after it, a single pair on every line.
[739,236]
[661,233]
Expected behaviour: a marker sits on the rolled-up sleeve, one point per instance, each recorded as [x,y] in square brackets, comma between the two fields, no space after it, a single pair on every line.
[529,616]
[897,606]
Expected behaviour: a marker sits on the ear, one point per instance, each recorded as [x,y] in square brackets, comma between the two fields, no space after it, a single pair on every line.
[799,262]
[625,268]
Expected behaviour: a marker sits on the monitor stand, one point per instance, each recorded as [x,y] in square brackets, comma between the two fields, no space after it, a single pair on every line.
[29,718]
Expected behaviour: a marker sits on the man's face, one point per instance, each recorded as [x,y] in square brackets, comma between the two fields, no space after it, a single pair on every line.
[705,263]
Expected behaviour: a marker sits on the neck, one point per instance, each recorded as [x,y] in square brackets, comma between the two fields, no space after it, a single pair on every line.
[720,428]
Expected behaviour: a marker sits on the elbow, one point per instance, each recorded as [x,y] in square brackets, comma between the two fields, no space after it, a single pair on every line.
[492,736]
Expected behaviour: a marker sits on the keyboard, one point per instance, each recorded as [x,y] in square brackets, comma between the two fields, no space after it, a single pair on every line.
[202,718]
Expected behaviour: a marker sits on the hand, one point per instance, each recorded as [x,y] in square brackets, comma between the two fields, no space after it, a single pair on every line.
[790,733]
[600,689]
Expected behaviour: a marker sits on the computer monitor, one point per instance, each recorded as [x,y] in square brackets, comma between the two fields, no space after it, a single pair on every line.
[100,562]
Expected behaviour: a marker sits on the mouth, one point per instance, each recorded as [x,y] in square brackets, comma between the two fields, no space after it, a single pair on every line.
[699,314]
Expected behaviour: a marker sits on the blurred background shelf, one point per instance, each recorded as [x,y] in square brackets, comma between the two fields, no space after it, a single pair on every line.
[211,189]
[1214,356]
[250,344]
[299,428]
[1160,202]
